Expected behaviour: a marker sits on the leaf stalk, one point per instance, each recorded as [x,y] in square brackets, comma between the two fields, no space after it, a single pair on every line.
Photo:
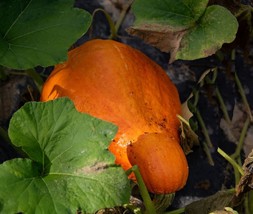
[150,208]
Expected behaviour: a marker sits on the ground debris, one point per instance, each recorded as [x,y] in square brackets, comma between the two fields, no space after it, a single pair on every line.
[246,181]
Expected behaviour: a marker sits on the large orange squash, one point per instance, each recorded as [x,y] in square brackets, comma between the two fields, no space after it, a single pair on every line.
[117,83]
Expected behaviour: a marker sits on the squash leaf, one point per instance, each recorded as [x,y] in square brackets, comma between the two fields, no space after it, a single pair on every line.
[175,14]
[216,27]
[68,168]
[35,32]
[188,29]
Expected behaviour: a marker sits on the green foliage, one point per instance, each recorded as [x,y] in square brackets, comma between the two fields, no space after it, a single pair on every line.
[68,168]
[216,27]
[187,29]
[35,32]
[175,14]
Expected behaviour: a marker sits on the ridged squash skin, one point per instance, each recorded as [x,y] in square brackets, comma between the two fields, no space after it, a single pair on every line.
[117,83]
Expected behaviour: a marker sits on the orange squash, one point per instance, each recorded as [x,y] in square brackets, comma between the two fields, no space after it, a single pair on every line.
[117,83]
[161,162]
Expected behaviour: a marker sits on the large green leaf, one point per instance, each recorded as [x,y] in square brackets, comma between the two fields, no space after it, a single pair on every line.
[188,29]
[216,27]
[70,167]
[35,32]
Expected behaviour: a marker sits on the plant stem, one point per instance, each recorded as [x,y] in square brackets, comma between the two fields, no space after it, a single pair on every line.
[121,18]
[150,208]
[196,97]
[222,105]
[208,154]
[183,120]
[244,98]
[200,119]
[218,95]
[241,139]
[109,20]
[114,27]
[236,155]
[230,160]
[204,129]
[201,122]
[214,77]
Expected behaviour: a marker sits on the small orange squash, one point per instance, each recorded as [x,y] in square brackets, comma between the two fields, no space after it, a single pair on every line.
[160,160]
[117,83]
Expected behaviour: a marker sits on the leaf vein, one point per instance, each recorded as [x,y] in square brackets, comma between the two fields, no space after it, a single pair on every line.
[50,195]
[16,20]
[36,31]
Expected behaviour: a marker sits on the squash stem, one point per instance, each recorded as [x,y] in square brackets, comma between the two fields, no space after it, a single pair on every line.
[201,122]
[244,98]
[121,18]
[114,27]
[200,119]
[109,20]
[236,167]
[222,105]
[150,208]
[234,159]
[204,129]
[241,139]
[230,160]
[208,154]
[218,94]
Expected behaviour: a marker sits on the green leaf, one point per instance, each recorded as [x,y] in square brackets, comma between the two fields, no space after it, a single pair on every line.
[188,29]
[179,14]
[70,167]
[35,32]
[216,27]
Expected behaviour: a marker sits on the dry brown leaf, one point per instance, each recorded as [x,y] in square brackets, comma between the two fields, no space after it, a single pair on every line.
[188,138]
[159,36]
[246,181]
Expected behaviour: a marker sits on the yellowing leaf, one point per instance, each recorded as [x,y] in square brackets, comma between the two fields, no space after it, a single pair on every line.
[187,29]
